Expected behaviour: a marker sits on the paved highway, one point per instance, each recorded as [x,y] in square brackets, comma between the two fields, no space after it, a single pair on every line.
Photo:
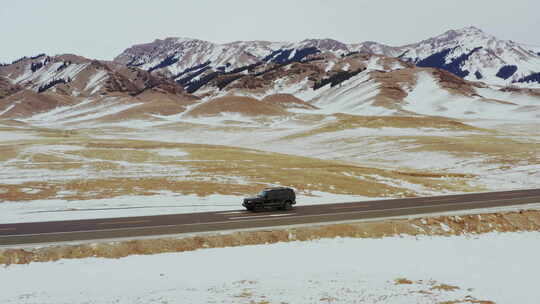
[77,230]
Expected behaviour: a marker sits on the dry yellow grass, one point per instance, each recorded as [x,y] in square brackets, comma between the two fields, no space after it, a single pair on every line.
[55,133]
[346,122]
[444,287]
[111,187]
[27,191]
[123,167]
[483,144]
[237,104]
[287,101]
[8,152]
[122,154]
[210,170]
[402,281]
[48,161]
[312,174]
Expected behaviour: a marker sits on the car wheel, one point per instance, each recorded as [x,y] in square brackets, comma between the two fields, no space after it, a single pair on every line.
[287,205]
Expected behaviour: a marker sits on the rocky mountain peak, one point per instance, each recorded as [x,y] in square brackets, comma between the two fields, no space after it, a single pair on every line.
[324,44]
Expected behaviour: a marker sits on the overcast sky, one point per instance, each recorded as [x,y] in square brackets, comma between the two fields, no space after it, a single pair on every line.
[102,29]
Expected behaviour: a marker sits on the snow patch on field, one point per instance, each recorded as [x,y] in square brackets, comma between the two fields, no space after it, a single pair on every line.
[87,110]
[132,124]
[59,112]
[102,112]
[95,80]
[502,268]
[13,136]
[19,171]
[170,152]
[6,110]
[52,149]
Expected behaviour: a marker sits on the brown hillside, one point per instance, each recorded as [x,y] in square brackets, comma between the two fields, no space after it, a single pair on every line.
[392,86]
[235,104]
[293,73]
[288,101]
[153,103]
[27,103]
[6,88]
[453,83]
[91,77]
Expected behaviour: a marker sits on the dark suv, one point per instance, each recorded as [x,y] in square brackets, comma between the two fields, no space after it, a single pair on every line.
[269,198]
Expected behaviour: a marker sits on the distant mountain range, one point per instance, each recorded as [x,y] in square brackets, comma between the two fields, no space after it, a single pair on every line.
[462,73]
[468,53]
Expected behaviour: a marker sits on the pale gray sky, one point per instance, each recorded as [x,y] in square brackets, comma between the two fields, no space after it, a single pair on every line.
[102,29]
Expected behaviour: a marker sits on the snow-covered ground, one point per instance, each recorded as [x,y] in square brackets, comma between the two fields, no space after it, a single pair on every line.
[429,98]
[502,268]
[87,110]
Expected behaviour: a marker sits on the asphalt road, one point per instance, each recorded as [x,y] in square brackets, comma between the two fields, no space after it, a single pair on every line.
[78,230]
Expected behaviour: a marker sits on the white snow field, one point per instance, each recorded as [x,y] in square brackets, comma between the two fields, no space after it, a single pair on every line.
[502,268]
[429,98]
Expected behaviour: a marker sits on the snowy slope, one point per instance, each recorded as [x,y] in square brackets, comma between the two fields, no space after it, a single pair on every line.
[39,72]
[365,84]
[174,56]
[178,57]
[474,55]
[72,75]
[75,76]
[429,98]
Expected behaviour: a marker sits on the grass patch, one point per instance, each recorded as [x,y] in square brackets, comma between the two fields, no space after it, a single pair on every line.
[131,167]
[402,281]
[445,287]
[8,152]
[346,122]
[120,154]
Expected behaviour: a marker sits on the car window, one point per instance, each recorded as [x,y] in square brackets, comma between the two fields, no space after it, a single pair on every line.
[263,193]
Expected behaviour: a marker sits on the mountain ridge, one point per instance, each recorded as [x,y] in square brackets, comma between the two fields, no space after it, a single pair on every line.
[467,52]
[174,76]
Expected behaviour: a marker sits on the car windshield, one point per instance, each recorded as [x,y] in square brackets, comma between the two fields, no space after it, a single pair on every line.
[262,193]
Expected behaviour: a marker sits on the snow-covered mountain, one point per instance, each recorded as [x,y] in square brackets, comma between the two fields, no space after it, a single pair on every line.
[369,84]
[45,85]
[472,54]
[469,53]
[477,56]
[77,76]
[458,74]
[178,57]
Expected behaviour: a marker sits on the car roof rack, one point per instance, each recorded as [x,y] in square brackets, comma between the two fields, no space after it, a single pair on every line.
[276,188]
